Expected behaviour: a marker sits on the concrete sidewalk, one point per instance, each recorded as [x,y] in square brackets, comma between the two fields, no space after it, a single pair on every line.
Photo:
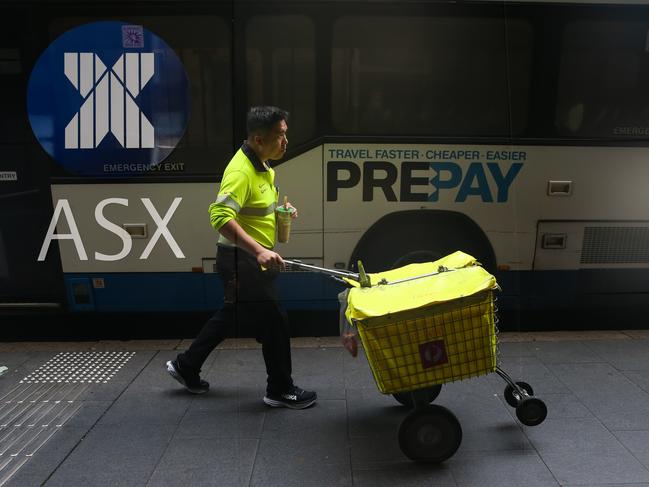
[126,422]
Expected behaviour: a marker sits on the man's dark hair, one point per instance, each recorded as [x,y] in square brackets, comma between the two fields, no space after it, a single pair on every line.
[262,119]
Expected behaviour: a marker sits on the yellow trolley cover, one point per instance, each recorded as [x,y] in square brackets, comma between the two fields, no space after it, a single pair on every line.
[428,330]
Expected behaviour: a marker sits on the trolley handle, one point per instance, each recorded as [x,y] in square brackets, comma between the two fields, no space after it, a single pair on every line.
[440,270]
[335,273]
[361,277]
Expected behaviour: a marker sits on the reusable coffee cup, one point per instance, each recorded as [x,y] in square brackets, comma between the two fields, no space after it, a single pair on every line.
[284,217]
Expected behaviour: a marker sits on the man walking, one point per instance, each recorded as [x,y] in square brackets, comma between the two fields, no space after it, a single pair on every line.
[244,215]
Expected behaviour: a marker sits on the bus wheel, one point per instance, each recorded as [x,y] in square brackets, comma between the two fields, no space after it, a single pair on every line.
[417,256]
[407,237]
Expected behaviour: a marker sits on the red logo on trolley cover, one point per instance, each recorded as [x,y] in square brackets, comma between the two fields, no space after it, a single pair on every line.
[433,353]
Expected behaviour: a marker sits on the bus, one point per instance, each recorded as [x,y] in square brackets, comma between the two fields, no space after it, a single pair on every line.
[516,132]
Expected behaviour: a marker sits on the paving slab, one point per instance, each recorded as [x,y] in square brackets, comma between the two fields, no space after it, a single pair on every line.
[199,462]
[403,474]
[503,469]
[612,397]
[637,442]
[623,355]
[583,450]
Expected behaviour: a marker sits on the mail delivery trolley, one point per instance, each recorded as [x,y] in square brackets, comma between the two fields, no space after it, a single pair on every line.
[424,325]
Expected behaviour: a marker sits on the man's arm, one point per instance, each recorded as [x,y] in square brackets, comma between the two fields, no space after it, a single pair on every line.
[265,257]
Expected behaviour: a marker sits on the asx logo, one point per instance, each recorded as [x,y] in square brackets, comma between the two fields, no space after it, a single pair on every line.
[416,183]
[109,103]
[161,222]
[108,93]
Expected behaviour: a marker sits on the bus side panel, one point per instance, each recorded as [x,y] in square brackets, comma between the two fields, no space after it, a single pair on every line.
[170,265]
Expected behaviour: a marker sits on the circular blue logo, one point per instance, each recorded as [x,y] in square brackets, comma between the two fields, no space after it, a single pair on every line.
[108,98]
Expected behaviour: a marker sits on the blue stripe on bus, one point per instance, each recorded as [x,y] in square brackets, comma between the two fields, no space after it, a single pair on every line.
[186,291]
[531,290]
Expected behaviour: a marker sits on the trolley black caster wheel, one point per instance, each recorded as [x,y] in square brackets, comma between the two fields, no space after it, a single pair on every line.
[531,411]
[427,395]
[431,434]
[509,393]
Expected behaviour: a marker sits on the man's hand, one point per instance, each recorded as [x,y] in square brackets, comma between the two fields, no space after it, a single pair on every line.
[265,258]
[270,260]
[294,212]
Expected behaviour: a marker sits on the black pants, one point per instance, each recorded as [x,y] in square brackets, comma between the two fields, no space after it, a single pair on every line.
[250,303]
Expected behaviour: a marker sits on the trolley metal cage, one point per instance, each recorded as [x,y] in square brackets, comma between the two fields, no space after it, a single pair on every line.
[433,345]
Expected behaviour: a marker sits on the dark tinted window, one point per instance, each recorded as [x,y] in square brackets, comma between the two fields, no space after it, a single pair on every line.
[603,79]
[280,61]
[437,76]
[14,127]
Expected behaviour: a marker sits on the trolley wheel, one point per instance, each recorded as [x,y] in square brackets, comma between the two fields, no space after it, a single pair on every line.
[531,411]
[509,393]
[431,434]
[429,394]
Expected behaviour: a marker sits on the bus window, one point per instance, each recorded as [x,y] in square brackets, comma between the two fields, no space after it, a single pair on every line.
[10,61]
[280,62]
[441,76]
[603,77]
[13,124]
[203,44]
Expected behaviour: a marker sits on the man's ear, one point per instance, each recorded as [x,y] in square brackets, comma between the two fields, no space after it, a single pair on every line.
[258,139]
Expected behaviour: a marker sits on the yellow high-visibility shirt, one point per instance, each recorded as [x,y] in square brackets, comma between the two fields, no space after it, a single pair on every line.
[248,195]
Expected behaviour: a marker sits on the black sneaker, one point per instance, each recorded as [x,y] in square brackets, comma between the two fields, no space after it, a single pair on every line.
[296,398]
[195,385]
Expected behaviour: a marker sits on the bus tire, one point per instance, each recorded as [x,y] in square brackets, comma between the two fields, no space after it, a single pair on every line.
[407,237]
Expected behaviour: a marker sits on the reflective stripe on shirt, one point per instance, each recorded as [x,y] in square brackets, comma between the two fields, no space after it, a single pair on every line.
[225,200]
[251,211]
